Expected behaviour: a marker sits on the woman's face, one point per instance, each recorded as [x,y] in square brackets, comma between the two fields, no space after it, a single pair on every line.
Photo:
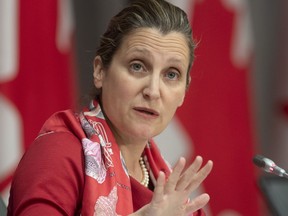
[144,84]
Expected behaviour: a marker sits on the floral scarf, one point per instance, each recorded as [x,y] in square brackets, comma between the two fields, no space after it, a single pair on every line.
[108,188]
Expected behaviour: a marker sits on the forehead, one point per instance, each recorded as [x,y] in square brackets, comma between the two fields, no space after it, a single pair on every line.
[151,40]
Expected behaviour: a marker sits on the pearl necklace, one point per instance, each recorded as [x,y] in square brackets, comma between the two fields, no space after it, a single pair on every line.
[145,180]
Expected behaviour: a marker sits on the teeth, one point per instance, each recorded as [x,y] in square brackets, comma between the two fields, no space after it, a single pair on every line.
[145,111]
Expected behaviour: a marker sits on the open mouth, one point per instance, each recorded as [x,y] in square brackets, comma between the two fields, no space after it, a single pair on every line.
[147,111]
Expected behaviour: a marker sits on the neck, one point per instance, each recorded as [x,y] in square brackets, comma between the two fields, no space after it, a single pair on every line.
[132,154]
[131,149]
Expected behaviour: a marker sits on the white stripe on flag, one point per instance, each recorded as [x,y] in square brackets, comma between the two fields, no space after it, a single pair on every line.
[186,5]
[173,142]
[10,137]
[242,39]
[8,40]
[65,25]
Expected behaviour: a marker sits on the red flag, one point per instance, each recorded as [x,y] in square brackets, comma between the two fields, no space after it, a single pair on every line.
[217,114]
[36,74]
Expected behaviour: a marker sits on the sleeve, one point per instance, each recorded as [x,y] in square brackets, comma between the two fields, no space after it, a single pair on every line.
[49,179]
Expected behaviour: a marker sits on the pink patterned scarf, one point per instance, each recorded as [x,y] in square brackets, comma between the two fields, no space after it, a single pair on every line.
[108,188]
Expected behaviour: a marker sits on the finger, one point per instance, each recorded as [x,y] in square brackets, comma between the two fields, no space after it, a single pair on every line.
[186,177]
[197,203]
[159,188]
[175,175]
[200,176]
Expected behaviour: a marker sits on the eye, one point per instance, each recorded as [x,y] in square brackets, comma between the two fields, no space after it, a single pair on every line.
[136,67]
[172,75]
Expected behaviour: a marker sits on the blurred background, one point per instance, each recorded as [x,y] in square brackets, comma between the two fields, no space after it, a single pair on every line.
[236,107]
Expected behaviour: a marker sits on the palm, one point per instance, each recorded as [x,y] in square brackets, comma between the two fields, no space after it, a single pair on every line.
[172,197]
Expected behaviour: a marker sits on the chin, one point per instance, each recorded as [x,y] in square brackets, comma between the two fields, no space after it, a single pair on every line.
[148,134]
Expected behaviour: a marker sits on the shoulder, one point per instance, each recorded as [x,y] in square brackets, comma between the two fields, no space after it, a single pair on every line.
[54,151]
[51,171]
[55,141]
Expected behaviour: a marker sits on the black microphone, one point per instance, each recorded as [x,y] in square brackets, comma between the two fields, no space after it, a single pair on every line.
[269,166]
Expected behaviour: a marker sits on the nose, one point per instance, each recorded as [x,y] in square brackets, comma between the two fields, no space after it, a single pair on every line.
[152,88]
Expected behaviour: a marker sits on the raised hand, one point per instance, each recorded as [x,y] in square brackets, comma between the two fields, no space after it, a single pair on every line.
[171,197]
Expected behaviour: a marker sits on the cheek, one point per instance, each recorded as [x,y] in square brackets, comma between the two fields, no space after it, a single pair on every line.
[178,98]
[181,101]
[172,107]
[174,103]
[117,91]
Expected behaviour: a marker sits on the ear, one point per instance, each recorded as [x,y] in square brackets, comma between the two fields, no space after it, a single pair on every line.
[98,73]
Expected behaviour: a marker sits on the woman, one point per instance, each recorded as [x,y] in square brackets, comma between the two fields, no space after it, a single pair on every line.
[103,161]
